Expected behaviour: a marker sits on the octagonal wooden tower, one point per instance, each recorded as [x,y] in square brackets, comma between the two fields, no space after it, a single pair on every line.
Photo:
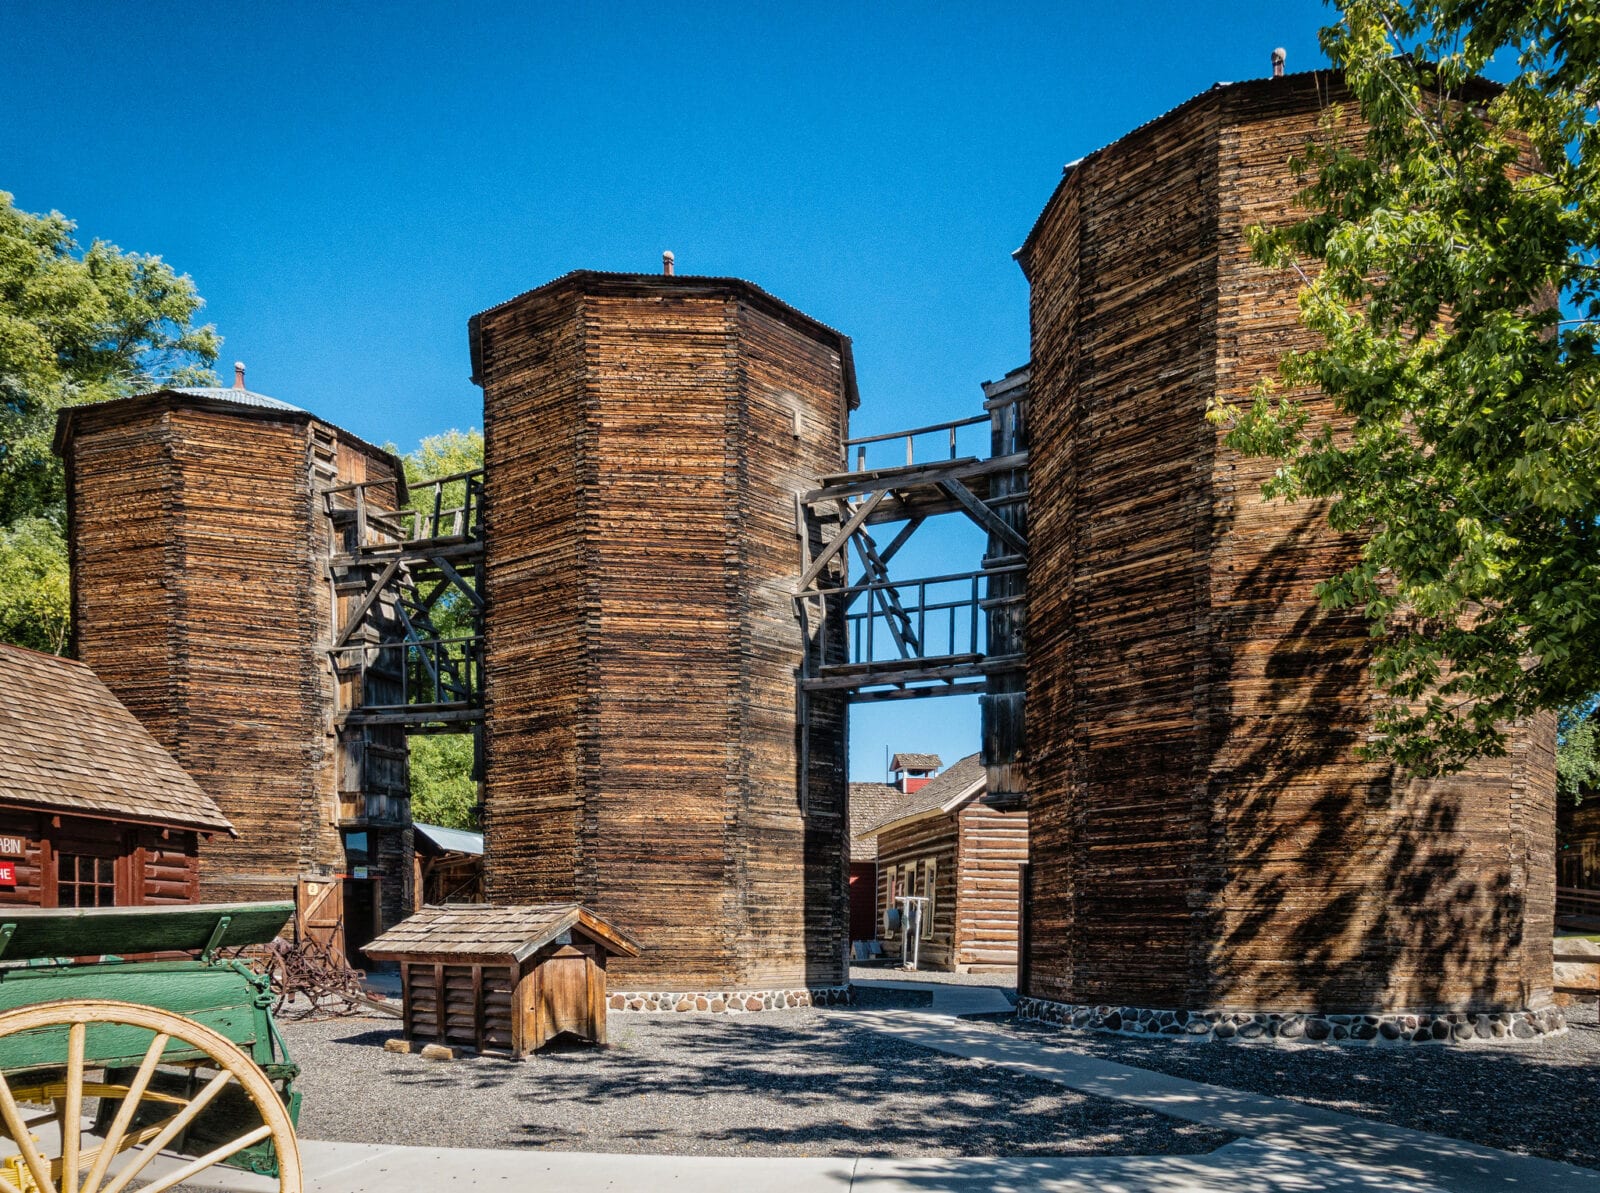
[201,596]
[1203,836]
[645,440]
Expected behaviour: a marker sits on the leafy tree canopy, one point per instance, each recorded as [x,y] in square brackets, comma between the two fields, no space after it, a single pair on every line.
[1456,291]
[443,791]
[76,325]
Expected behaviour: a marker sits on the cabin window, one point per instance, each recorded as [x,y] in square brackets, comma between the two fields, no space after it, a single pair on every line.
[83,880]
[930,873]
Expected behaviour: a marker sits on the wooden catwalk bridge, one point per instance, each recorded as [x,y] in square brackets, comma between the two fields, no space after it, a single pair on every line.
[407,596]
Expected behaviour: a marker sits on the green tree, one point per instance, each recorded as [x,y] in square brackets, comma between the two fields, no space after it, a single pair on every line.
[1455,287]
[1577,767]
[443,791]
[76,325]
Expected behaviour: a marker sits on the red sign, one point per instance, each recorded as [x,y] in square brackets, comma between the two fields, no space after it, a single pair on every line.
[8,873]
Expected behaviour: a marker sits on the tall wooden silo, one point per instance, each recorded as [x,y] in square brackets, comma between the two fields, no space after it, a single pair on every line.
[202,595]
[1203,835]
[646,438]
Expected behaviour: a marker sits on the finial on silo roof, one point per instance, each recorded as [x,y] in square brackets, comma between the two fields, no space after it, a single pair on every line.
[1279,57]
[238,374]
[666,262]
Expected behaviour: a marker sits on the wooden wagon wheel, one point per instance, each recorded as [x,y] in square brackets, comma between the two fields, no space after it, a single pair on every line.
[65,1171]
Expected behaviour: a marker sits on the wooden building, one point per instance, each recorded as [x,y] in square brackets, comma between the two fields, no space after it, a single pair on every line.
[1203,833]
[940,841]
[645,440]
[503,980]
[93,812]
[202,594]
[869,803]
[1578,844]
[449,865]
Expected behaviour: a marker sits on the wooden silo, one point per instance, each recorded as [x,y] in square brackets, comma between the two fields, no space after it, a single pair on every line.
[1203,835]
[645,440]
[202,596]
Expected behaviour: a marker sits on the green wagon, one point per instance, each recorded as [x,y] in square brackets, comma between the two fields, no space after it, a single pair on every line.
[108,1065]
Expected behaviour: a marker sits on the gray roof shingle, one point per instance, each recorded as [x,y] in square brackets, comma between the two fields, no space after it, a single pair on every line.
[934,793]
[869,803]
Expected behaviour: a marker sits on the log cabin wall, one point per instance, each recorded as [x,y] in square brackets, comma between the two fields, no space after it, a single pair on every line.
[201,597]
[645,439]
[1203,833]
[991,846]
[905,855]
[148,865]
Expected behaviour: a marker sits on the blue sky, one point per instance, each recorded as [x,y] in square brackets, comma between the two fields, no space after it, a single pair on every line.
[348,183]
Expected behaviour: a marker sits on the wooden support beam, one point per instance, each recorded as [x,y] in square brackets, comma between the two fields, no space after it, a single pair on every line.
[921,476]
[942,689]
[841,540]
[373,593]
[985,517]
[455,578]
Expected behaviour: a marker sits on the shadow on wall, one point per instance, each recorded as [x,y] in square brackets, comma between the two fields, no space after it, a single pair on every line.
[1345,886]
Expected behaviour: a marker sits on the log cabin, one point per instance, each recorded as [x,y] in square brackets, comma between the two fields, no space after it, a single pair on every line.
[203,595]
[1205,836]
[647,750]
[93,812]
[940,841]
[869,803]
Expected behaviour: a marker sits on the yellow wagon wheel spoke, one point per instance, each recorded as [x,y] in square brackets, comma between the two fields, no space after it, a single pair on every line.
[63,1172]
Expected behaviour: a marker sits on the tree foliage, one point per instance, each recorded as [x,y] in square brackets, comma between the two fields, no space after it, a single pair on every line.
[1577,766]
[76,325]
[443,791]
[1455,288]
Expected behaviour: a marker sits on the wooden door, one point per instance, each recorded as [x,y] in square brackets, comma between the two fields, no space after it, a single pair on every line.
[319,914]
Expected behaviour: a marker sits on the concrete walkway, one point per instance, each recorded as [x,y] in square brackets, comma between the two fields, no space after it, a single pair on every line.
[1284,1147]
[1396,1154]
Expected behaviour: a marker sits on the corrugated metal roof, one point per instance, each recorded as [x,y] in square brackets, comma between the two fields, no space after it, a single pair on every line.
[455,840]
[242,397]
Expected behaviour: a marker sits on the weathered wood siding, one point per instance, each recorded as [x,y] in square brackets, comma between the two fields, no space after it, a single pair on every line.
[1123,274]
[201,598]
[1203,834]
[932,838]
[152,865]
[642,465]
[991,846]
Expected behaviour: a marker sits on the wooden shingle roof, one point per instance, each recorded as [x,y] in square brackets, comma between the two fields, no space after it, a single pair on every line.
[478,932]
[68,745]
[869,803]
[916,762]
[965,780]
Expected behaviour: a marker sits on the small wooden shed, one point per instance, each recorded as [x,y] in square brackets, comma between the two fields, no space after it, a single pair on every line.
[503,980]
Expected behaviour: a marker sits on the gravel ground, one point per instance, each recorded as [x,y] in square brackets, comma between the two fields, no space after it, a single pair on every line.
[782,1083]
[1539,1098]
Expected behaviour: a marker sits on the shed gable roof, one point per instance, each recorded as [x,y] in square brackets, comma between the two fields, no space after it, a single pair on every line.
[67,744]
[464,931]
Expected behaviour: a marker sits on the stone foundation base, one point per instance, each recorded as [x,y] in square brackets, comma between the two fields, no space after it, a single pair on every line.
[1454,1028]
[729,1002]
